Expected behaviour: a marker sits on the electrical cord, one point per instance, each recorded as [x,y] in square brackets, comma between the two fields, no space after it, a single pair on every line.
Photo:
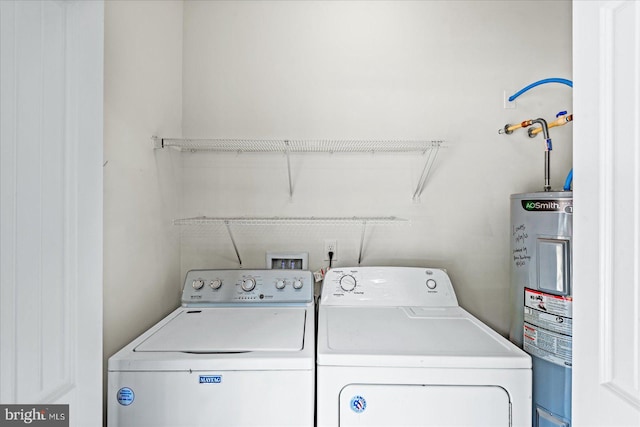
[330,258]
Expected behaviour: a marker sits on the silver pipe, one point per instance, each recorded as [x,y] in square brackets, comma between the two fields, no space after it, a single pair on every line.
[547,153]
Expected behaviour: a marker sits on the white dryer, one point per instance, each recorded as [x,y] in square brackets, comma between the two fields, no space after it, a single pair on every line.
[395,349]
[239,352]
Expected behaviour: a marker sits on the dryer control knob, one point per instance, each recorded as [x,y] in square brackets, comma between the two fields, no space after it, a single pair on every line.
[197,284]
[280,284]
[431,284]
[297,284]
[215,284]
[248,284]
[348,283]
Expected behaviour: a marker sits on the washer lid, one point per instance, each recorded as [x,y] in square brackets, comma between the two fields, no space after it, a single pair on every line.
[230,330]
[412,336]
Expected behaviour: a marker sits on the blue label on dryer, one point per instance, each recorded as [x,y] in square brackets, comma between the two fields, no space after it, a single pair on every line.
[210,379]
[125,396]
[358,404]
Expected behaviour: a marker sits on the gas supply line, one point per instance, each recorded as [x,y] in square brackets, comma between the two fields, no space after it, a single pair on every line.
[562,119]
[508,129]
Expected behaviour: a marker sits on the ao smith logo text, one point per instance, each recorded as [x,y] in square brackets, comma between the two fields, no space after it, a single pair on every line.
[548,205]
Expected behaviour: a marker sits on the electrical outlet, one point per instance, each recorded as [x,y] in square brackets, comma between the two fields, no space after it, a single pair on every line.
[330,245]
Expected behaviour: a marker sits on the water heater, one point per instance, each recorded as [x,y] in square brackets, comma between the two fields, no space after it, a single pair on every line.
[541,289]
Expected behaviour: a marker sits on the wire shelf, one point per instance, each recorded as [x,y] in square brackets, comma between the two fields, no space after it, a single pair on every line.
[298,145]
[310,220]
[429,148]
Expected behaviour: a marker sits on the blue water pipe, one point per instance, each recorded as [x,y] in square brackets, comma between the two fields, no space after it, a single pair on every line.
[538,83]
[569,180]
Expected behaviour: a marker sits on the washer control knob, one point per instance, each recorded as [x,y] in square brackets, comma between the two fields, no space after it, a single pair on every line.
[431,284]
[197,284]
[348,283]
[297,284]
[215,284]
[280,284]
[248,284]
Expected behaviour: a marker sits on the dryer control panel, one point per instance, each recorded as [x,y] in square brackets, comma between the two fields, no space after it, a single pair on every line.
[215,287]
[388,286]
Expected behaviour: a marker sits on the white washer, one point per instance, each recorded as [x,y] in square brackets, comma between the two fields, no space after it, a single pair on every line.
[240,351]
[395,349]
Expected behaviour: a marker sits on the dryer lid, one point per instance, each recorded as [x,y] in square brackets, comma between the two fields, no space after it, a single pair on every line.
[411,336]
[230,330]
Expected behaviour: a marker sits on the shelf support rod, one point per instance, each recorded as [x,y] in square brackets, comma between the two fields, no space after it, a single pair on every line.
[287,150]
[364,227]
[431,158]
[235,247]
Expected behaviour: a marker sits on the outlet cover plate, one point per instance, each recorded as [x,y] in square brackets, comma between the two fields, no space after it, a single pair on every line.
[328,245]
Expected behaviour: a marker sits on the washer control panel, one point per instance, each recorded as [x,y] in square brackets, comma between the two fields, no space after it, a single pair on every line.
[388,286]
[247,286]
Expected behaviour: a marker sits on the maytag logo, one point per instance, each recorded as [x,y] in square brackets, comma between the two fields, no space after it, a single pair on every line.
[548,205]
[210,379]
[45,416]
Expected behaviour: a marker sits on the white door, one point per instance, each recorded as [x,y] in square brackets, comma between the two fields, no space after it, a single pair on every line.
[606,380]
[51,67]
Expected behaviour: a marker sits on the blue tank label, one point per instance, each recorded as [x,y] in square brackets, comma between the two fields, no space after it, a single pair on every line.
[358,404]
[210,379]
[126,396]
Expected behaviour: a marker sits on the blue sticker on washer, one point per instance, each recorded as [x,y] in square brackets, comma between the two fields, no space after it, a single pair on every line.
[126,396]
[358,404]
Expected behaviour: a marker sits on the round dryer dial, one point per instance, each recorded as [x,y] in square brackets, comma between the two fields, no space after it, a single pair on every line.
[431,284]
[215,284]
[197,284]
[248,284]
[280,284]
[348,283]
[297,284]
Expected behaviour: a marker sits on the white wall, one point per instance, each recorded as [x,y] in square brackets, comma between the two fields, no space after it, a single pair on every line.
[143,97]
[432,69]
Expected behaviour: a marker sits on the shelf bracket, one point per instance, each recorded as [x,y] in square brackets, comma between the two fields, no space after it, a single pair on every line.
[235,247]
[287,151]
[157,142]
[428,164]
[364,227]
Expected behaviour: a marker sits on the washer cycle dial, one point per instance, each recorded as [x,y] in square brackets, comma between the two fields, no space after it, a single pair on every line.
[248,284]
[431,284]
[297,284]
[348,283]
[280,284]
[215,284]
[197,284]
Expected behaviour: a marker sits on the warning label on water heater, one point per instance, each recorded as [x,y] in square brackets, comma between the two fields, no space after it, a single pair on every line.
[548,326]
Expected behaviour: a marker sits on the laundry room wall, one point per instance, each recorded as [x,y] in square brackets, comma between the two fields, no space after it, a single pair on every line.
[143,97]
[372,70]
